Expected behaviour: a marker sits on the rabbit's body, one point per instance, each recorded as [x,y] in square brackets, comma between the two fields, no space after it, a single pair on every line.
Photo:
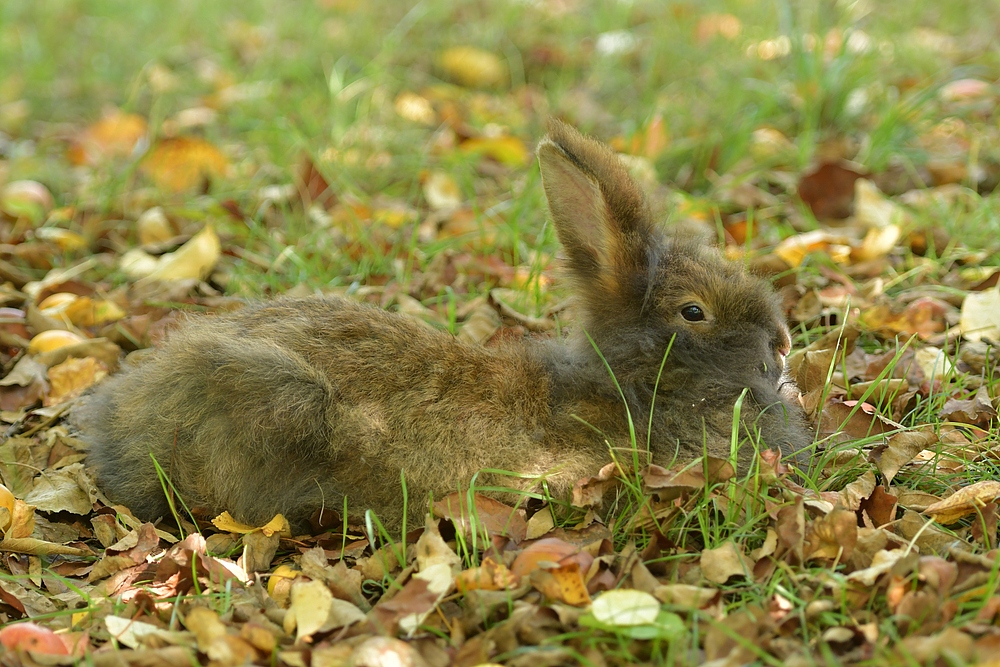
[285,406]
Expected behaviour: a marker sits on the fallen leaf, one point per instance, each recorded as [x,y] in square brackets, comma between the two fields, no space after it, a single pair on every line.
[832,537]
[116,135]
[490,576]
[828,189]
[309,608]
[72,377]
[590,492]
[550,550]
[980,316]
[177,164]
[723,562]
[563,583]
[507,150]
[978,411]
[857,491]
[195,259]
[433,550]
[442,192]
[489,514]
[415,108]
[965,501]
[900,449]
[625,606]
[472,67]
[32,637]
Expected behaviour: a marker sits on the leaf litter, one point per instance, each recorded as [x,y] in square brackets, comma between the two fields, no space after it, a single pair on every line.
[884,551]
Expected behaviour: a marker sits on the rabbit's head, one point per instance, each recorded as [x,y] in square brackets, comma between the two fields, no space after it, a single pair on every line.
[642,291]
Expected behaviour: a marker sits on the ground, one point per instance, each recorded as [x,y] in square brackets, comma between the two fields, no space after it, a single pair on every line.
[161,158]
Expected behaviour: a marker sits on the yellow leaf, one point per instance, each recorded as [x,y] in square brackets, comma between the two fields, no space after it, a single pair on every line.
[72,377]
[472,67]
[182,163]
[52,339]
[226,522]
[64,238]
[964,501]
[507,150]
[194,259]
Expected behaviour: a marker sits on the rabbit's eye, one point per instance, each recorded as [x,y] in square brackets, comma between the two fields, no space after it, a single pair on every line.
[693,314]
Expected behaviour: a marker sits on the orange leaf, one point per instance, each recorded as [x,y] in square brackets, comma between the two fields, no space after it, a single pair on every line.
[181,163]
[32,637]
[563,583]
[114,136]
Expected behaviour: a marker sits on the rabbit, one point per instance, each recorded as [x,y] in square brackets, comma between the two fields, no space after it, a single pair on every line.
[293,404]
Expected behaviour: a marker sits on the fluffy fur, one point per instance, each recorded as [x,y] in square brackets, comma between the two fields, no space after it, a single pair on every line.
[287,405]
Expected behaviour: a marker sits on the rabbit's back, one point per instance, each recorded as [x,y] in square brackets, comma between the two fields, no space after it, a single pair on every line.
[290,405]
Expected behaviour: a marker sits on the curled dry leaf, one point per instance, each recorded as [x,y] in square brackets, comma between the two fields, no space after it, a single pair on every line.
[491,515]
[964,501]
[978,411]
[900,449]
[721,563]
[698,474]
[832,537]
[490,576]
[590,492]
[851,495]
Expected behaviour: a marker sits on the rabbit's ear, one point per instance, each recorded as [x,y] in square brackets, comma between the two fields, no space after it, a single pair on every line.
[600,214]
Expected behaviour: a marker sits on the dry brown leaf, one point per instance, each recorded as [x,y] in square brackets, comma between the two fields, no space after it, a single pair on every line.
[900,449]
[72,377]
[589,492]
[723,562]
[832,537]
[549,550]
[489,514]
[965,501]
[978,411]
[795,249]
[433,550]
[928,537]
[857,491]
[828,189]
[880,507]
[924,317]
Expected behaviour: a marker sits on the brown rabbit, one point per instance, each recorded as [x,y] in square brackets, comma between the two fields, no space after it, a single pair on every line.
[293,404]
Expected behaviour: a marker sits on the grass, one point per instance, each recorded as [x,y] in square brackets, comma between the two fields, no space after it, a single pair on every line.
[291,83]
